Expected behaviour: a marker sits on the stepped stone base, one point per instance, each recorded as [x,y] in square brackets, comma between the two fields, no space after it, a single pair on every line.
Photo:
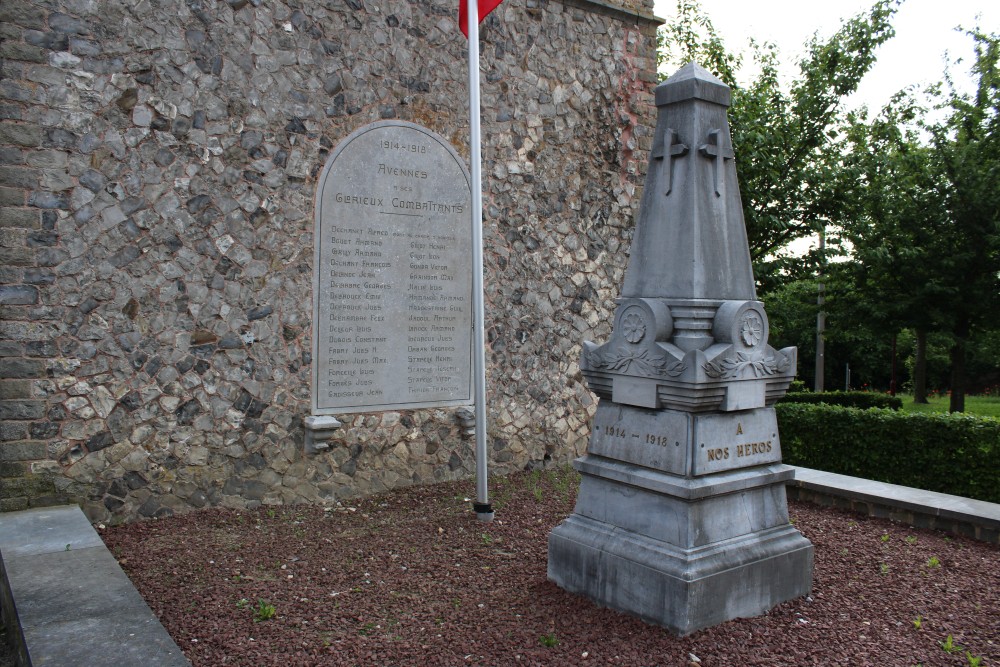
[682,567]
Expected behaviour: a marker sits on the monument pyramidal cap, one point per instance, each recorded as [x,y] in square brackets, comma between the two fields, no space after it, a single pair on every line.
[682,517]
[689,333]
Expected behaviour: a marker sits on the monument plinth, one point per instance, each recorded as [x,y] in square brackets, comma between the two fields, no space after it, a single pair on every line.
[682,517]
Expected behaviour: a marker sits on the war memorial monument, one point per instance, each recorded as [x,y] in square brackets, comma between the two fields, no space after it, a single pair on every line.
[682,517]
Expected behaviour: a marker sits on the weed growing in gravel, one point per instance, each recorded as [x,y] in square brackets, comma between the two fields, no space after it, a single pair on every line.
[911,539]
[501,491]
[264,612]
[918,621]
[933,561]
[884,538]
[883,568]
[950,646]
[534,480]
[566,480]
[550,640]
[974,661]
[242,603]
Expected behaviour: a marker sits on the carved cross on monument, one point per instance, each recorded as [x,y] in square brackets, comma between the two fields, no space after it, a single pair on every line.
[668,149]
[713,150]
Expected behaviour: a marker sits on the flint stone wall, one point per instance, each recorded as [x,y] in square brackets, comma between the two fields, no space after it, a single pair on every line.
[158,165]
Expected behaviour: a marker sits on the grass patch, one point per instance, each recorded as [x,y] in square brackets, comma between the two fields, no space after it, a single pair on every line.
[986,406]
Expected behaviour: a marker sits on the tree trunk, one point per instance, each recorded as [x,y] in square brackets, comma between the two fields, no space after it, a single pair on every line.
[920,369]
[958,370]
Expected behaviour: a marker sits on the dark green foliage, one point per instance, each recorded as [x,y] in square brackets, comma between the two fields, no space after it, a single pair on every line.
[926,232]
[950,453]
[847,399]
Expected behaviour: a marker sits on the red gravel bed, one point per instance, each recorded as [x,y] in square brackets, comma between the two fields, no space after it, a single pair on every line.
[411,578]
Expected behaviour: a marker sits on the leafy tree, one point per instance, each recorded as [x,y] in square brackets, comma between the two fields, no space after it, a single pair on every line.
[893,228]
[785,141]
[925,233]
[967,156]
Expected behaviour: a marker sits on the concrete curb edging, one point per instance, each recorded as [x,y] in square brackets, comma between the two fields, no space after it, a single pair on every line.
[66,599]
[922,509]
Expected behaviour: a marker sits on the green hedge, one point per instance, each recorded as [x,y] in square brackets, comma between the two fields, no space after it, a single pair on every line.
[847,399]
[950,453]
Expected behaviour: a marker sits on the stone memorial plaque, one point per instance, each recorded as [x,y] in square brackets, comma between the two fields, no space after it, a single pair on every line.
[392,284]
[735,440]
[649,438]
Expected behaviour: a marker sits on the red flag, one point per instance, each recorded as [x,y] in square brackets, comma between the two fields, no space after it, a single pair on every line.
[485,7]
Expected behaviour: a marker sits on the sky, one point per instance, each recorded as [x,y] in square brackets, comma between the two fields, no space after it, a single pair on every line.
[925,31]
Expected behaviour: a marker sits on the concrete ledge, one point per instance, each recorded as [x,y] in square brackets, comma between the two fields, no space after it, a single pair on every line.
[67,600]
[923,509]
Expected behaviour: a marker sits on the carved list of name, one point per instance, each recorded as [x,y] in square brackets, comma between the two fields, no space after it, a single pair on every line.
[392,304]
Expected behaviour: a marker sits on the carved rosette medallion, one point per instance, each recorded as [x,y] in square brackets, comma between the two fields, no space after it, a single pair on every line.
[633,326]
[742,324]
[751,329]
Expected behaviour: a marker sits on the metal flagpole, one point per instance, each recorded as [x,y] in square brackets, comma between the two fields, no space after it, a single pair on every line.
[484,512]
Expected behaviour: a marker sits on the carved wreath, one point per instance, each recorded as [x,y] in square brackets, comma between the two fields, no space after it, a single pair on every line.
[733,367]
[622,360]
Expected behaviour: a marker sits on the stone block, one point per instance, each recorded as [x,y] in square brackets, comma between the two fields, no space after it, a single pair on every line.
[10,389]
[19,51]
[13,237]
[10,348]
[22,409]
[23,14]
[12,91]
[12,504]
[20,217]
[29,486]
[39,276]
[22,368]
[13,469]
[18,295]
[17,256]
[48,200]
[20,134]
[18,177]
[68,24]
[11,430]
[11,197]
[22,450]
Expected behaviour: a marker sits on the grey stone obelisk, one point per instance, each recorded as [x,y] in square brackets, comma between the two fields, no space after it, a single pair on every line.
[682,517]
